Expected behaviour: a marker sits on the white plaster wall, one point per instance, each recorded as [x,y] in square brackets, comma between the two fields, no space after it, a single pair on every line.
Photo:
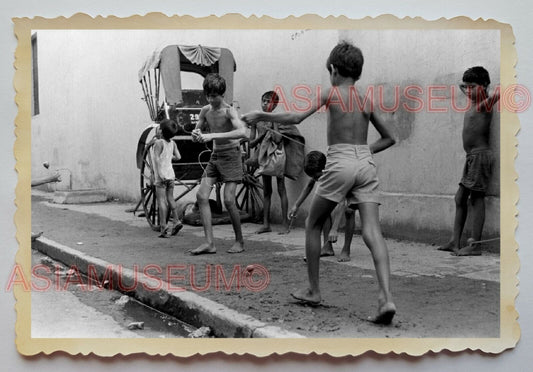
[420,174]
[91,112]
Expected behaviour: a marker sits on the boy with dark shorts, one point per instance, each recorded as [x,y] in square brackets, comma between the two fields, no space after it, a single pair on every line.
[350,172]
[225,165]
[479,161]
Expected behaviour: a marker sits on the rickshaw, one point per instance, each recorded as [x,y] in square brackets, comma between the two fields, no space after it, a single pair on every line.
[165,69]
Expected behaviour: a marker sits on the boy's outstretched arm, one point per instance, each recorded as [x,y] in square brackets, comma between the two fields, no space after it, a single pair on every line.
[387,135]
[293,117]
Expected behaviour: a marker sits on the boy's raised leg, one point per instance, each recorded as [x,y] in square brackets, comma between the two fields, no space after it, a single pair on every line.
[373,238]
[231,207]
[202,197]
[318,214]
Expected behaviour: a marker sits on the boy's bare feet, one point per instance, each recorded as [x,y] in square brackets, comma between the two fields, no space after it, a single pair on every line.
[448,247]
[177,227]
[203,249]
[327,250]
[237,247]
[285,229]
[469,250]
[166,233]
[264,229]
[385,314]
[344,257]
[305,296]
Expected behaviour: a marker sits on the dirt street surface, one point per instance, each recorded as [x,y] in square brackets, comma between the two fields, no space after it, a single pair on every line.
[436,294]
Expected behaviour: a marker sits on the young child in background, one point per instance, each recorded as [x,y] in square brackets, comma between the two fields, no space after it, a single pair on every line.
[315,161]
[164,151]
[264,136]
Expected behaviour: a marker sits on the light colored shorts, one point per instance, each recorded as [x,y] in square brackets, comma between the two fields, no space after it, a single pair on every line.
[350,173]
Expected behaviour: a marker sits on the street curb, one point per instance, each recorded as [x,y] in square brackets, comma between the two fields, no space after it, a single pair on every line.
[184,305]
[80,196]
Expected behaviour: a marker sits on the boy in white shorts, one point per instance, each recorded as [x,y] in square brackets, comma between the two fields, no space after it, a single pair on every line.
[350,171]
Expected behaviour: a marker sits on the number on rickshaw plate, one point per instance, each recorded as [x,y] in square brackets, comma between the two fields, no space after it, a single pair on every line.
[194,118]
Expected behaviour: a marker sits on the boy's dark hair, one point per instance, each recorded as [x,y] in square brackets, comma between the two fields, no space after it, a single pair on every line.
[478,75]
[273,98]
[347,59]
[169,128]
[315,161]
[214,84]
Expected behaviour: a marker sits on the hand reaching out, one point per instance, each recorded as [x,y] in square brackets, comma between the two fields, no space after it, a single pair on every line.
[292,213]
[251,117]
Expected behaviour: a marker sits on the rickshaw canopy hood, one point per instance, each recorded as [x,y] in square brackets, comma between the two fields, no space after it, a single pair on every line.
[194,58]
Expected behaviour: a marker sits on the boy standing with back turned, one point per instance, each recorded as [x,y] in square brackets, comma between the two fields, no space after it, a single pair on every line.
[479,161]
[350,171]
[225,165]
[164,151]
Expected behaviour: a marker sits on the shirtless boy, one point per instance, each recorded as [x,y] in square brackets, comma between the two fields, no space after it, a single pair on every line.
[479,161]
[350,171]
[225,165]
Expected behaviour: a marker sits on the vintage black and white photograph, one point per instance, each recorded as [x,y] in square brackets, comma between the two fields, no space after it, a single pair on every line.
[291,183]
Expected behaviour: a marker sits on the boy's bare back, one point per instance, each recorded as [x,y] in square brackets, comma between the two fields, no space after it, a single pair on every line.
[347,121]
[349,115]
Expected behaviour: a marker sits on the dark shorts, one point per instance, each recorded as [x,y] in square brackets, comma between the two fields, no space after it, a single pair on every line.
[477,170]
[225,165]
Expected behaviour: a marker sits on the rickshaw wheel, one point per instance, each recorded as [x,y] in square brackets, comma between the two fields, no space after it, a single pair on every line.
[249,195]
[149,202]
